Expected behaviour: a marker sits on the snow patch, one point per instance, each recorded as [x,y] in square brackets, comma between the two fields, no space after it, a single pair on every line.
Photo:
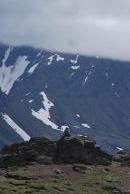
[75,67]
[16,128]
[27,94]
[10,74]
[32,69]
[59,58]
[80,135]
[87,77]
[113,84]
[86,125]
[30,101]
[88,74]
[93,66]
[75,61]
[50,59]
[120,149]
[40,53]
[77,115]
[7,54]
[44,113]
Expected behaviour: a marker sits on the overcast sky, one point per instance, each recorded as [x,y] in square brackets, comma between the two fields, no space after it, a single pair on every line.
[90,27]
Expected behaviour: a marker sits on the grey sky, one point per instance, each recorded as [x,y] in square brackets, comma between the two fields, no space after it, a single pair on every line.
[90,27]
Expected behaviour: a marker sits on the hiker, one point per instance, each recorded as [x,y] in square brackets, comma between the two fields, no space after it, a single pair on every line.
[66,133]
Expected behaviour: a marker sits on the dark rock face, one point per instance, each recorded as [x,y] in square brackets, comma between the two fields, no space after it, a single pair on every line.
[81,150]
[44,151]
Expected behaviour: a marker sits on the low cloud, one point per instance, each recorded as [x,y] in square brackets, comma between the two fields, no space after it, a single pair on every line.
[90,27]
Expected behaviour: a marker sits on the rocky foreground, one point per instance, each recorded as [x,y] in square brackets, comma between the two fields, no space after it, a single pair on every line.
[72,165]
[67,150]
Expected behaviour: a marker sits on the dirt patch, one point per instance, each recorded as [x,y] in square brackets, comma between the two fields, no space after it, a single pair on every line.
[47,171]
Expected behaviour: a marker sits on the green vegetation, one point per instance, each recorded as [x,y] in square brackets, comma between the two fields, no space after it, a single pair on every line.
[92,180]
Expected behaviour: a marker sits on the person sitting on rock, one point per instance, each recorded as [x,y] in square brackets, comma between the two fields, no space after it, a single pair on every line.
[66,133]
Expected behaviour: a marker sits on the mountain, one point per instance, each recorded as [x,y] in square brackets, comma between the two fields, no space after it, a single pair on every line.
[41,92]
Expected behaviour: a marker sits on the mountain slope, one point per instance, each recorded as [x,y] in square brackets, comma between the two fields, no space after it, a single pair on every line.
[42,91]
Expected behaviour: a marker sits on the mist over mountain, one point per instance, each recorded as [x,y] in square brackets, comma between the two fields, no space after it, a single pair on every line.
[86,27]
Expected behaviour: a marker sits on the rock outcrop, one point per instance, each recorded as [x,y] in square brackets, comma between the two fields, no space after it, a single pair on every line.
[81,150]
[67,150]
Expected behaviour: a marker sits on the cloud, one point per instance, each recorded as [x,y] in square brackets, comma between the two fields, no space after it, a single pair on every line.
[90,27]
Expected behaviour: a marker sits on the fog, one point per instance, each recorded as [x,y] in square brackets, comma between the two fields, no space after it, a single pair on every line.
[89,27]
